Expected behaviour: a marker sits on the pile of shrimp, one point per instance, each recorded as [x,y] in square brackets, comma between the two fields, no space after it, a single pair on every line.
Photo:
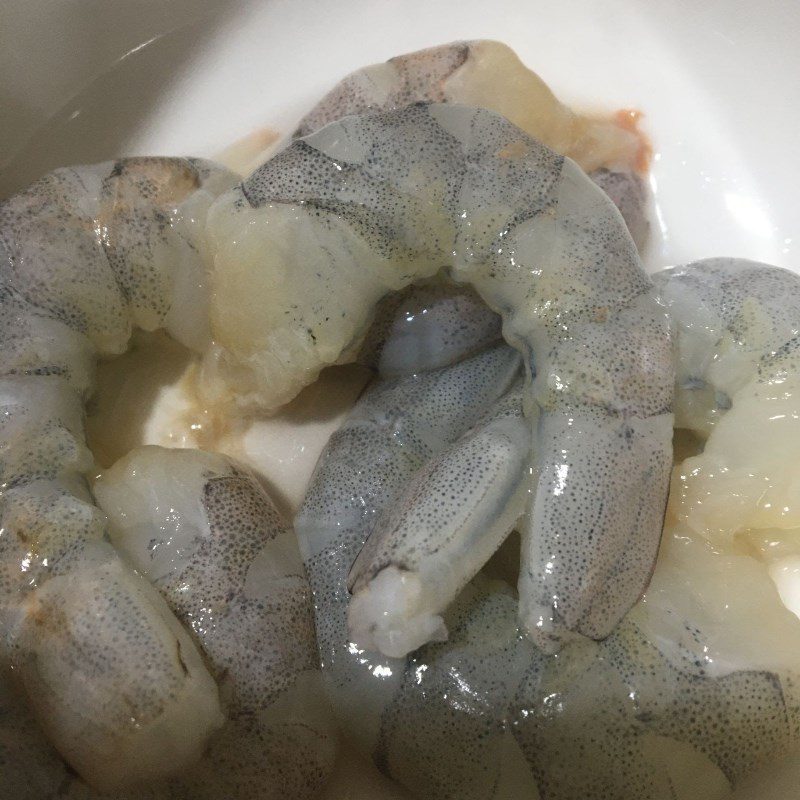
[485,590]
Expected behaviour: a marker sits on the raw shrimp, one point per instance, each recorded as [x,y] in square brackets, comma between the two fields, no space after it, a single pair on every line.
[115,681]
[490,75]
[30,769]
[210,539]
[395,429]
[696,687]
[308,245]
[736,325]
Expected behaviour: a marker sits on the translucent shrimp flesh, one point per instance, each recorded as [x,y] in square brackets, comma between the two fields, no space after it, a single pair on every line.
[308,245]
[212,542]
[490,75]
[736,326]
[695,688]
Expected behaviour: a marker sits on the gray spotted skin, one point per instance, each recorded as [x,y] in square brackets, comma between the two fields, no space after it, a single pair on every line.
[422,77]
[213,543]
[734,321]
[35,344]
[86,254]
[403,80]
[30,769]
[436,185]
[242,519]
[455,475]
[46,230]
[453,515]
[628,193]
[121,221]
[615,720]
[445,732]
[428,326]
[100,605]
[252,757]
[393,430]
[609,751]
[135,201]
[584,556]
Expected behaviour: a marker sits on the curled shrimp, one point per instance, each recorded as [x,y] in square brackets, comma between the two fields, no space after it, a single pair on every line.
[686,696]
[490,75]
[308,245]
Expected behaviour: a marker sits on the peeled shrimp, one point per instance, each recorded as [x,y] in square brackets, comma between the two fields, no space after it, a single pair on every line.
[490,75]
[695,688]
[736,328]
[33,770]
[308,245]
[212,542]
[115,681]
[391,433]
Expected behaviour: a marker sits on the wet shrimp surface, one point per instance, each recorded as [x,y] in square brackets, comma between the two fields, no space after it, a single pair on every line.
[475,597]
[376,201]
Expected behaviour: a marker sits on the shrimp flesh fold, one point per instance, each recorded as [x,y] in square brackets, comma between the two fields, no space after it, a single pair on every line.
[373,203]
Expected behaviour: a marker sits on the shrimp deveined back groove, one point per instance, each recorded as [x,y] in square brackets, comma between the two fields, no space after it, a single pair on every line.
[308,244]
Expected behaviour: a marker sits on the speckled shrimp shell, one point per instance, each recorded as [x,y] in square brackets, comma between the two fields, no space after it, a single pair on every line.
[212,542]
[308,245]
[689,693]
[88,252]
[490,75]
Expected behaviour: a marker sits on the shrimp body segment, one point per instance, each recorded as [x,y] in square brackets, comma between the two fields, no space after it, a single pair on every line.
[308,245]
[214,545]
[88,252]
[686,695]
[490,75]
